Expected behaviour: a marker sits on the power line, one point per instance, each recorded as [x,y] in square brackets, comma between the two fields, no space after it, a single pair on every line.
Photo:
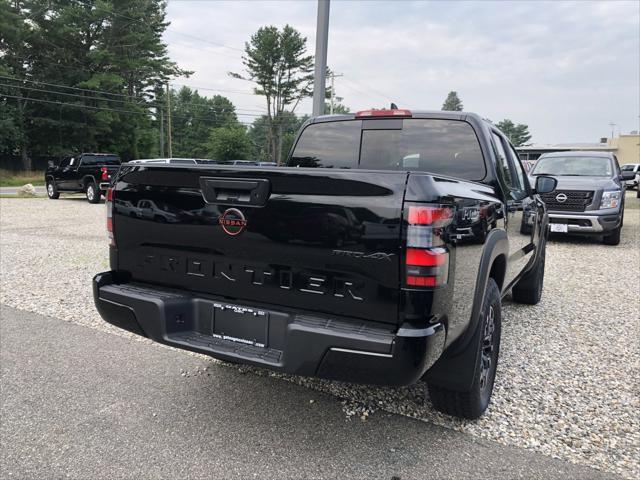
[195,116]
[65,86]
[22,87]
[122,15]
[378,93]
[74,104]
[99,91]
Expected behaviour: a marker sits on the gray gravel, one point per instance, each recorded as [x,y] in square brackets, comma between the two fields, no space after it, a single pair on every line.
[567,380]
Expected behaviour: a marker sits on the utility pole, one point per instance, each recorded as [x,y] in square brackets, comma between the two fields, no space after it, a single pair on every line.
[169,121]
[333,89]
[319,76]
[161,119]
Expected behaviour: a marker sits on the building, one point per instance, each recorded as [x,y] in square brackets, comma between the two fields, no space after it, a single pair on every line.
[625,147]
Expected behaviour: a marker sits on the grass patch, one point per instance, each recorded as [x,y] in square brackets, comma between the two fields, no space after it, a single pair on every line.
[9,178]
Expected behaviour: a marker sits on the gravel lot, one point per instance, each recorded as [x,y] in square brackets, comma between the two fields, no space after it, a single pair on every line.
[567,382]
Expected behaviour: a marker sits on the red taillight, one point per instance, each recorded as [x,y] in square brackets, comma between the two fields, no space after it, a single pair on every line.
[421,281]
[104,173]
[426,258]
[384,113]
[110,196]
[419,215]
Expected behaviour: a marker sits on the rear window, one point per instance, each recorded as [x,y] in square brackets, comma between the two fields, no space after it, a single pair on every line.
[100,160]
[445,147]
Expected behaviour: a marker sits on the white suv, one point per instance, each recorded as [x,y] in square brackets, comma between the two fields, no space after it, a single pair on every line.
[631,167]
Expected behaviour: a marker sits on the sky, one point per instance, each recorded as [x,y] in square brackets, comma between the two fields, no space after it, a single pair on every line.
[566,69]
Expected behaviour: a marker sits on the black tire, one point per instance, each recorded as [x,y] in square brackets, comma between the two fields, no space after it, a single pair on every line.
[92,193]
[52,190]
[613,238]
[529,288]
[486,348]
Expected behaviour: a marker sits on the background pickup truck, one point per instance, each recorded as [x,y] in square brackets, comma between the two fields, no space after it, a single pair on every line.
[379,256]
[90,173]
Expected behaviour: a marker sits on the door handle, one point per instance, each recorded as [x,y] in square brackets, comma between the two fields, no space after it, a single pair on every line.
[235,191]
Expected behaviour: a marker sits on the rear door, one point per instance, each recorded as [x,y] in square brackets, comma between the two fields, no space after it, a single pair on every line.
[320,240]
[68,174]
[521,209]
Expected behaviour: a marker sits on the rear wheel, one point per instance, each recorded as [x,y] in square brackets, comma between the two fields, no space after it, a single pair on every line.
[486,347]
[93,193]
[529,288]
[52,190]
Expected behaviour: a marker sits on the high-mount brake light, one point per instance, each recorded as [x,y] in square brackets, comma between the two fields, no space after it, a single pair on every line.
[384,113]
[109,204]
[104,173]
[426,258]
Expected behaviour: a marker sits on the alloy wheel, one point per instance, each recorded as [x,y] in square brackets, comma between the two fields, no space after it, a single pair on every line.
[487,348]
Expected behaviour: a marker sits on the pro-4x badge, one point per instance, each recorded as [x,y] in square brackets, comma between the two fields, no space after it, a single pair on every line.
[232,221]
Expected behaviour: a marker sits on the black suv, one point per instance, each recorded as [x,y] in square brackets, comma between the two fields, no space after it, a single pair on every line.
[590,195]
[88,172]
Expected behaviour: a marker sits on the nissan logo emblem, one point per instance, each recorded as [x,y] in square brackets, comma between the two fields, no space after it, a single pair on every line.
[561,198]
[232,221]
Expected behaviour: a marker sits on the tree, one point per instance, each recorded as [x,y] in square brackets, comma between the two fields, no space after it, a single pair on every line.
[229,143]
[518,134]
[82,75]
[277,62]
[452,103]
[259,133]
[193,117]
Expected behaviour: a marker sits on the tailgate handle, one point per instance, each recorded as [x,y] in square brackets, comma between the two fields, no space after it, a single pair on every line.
[235,191]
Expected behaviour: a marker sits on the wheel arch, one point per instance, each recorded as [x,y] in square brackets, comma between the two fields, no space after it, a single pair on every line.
[451,370]
[86,179]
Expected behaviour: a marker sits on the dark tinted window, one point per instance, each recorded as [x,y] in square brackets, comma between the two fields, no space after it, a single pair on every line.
[328,145]
[446,147]
[100,160]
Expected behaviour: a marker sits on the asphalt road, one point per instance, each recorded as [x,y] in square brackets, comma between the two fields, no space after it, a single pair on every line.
[40,190]
[81,403]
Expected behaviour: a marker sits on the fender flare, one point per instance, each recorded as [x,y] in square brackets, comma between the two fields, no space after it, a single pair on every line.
[452,369]
[86,178]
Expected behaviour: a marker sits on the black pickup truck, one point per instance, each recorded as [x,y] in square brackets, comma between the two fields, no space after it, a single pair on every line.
[90,173]
[379,255]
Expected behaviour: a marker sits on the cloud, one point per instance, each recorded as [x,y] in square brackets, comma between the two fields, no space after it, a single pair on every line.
[566,69]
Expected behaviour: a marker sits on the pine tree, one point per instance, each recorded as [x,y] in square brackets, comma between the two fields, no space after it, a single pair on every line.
[518,134]
[452,103]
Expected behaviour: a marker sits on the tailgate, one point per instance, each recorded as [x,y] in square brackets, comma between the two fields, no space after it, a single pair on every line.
[306,239]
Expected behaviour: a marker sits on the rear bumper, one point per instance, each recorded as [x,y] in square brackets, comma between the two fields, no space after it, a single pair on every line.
[588,222]
[353,351]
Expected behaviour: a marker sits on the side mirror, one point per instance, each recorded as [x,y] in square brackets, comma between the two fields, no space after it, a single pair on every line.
[627,175]
[51,164]
[545,184]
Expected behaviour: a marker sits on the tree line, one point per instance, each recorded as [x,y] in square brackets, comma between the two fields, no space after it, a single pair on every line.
[92,75]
